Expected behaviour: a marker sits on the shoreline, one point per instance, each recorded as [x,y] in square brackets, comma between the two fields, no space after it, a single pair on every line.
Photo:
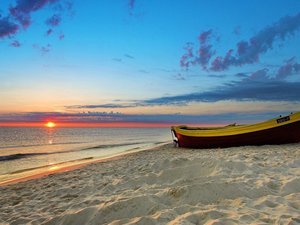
[47,170]
[166,185]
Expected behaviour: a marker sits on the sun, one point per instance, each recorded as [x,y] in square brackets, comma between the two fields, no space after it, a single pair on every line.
[50,124]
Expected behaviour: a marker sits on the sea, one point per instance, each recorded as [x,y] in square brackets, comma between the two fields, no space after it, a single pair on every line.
[30,149]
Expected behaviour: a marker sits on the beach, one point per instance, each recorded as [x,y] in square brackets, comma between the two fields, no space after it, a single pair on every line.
[165,185]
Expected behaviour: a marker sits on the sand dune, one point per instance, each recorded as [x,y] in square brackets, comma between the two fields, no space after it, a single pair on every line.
[166,185]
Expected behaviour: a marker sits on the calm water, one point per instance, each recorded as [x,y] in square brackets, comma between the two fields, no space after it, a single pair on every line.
[29,148]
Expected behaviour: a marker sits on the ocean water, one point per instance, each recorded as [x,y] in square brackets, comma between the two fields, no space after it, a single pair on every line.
[25,149]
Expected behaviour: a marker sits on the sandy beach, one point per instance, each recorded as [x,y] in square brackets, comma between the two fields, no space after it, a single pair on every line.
[166,185]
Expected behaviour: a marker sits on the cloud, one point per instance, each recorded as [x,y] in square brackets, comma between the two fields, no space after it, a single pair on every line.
[16,44]
[54,20]
[237,30]
[179,76]
[7,27]
[61,36]
[129,56]
[246,90]
[217,76]
[43,49]
[117,59]
[241,75]
[204,36]
[49,32]
[106,106]
[23,9]
[287,69]
[20,16]
[131,5]
[103,117]
[246,51]
[252,91]
[144,71]
[187,59]
[203,55]
[256,87]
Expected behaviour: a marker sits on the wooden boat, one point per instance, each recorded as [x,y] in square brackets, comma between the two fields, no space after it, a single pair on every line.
[280,130]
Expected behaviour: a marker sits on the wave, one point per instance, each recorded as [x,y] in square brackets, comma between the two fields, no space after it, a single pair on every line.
[112,145]
[27,155]
[38,145]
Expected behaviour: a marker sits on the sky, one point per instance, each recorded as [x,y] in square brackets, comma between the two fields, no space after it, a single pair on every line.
[149,62]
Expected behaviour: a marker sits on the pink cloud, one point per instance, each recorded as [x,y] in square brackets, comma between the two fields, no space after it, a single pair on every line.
[204,36]
[203,55]
[188,57]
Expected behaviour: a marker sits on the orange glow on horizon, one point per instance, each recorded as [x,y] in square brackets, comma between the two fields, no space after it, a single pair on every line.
[116,125]
[50,125]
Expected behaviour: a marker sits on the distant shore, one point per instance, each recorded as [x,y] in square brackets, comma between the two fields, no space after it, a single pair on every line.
[165,185]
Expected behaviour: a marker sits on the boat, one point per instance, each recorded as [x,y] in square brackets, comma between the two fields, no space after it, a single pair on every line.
[280,130]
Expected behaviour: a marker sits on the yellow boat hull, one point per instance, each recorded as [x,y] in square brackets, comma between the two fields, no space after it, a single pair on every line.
[280,130]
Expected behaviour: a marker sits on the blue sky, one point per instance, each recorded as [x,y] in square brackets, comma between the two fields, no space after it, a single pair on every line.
[152,61]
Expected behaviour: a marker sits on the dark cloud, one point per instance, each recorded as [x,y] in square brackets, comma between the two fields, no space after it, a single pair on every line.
[237,30]
[20,15]
[105,106]
[248,52]
[61,36]
[104,117]
[290,67]
[131,5]
[7,27]
[117,59]
[43,49]
[241,75]
[49,32]
[54,20]
[16,44]
[250,91]
[144,71]
[23,9]
[220,63]
[129,56]
[256,87]
[205,54]
[179,76]
[217,76]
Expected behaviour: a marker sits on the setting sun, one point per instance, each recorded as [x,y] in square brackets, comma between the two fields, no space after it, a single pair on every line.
[50,124]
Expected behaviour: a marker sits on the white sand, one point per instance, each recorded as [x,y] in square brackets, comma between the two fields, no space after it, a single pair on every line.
[166,185]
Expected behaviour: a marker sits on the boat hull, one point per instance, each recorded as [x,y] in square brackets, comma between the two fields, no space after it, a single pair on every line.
[288,133]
